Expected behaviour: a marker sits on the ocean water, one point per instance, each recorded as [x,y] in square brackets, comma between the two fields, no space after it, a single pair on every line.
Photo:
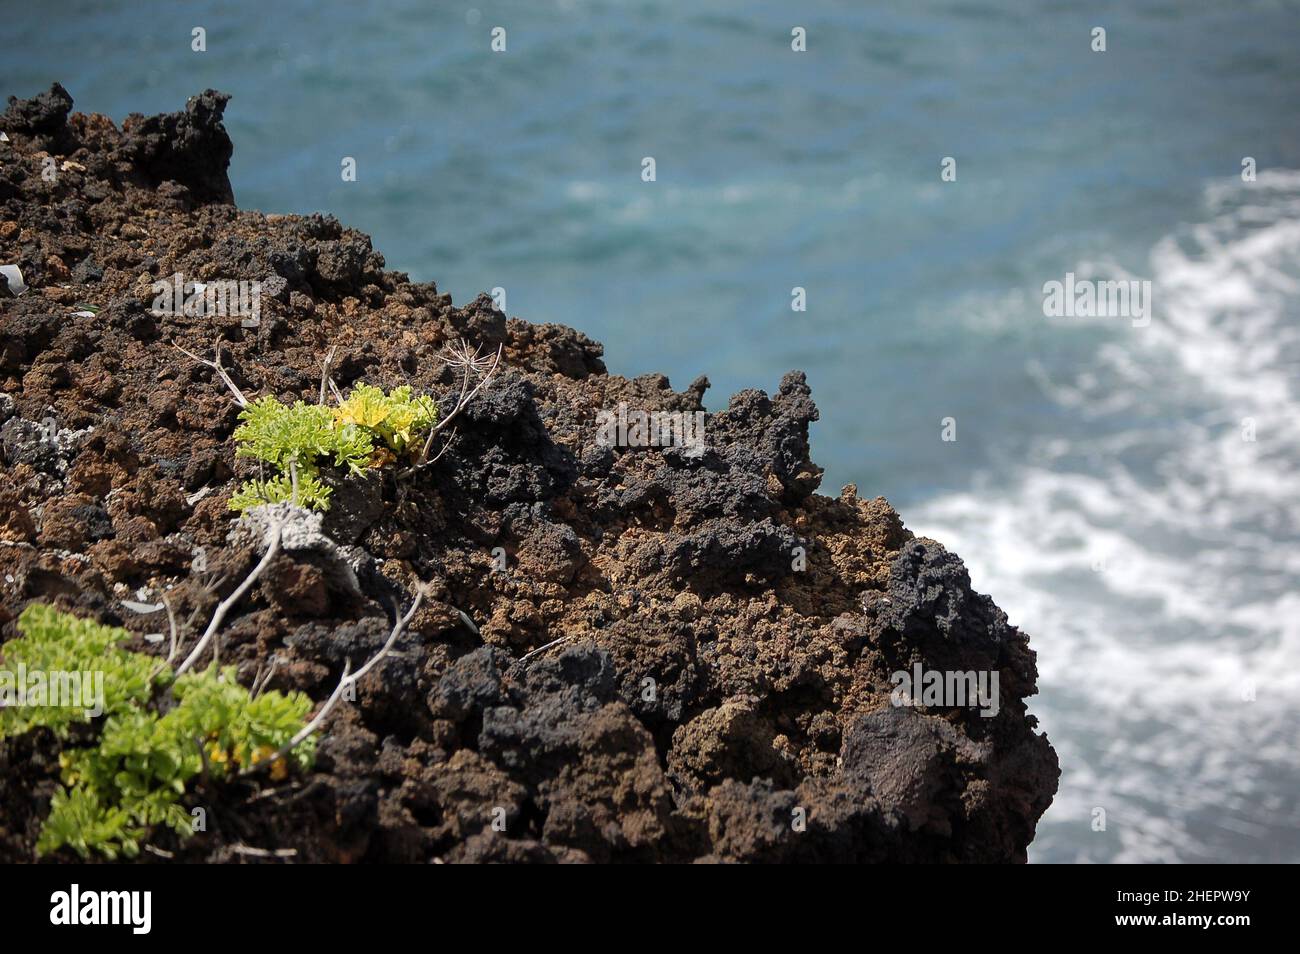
[1100,486]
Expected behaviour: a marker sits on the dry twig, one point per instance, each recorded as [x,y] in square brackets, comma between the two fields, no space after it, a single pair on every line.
[221,372]
[264,852]
[273,547]
[325,378]
[347,680]
[472,364]
[541,649]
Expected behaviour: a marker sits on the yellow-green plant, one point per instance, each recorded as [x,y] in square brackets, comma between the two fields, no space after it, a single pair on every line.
[136,774]
[366,431]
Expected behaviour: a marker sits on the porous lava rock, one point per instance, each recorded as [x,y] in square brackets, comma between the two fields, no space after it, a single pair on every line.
[720,689]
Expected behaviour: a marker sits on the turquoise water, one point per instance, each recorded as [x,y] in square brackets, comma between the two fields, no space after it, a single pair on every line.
[1098,488]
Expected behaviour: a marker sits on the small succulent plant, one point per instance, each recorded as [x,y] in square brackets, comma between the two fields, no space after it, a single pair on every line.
[366,431]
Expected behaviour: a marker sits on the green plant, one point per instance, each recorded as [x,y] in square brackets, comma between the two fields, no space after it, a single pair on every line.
[136,774]
[54,642]
[396,418]
[366,431]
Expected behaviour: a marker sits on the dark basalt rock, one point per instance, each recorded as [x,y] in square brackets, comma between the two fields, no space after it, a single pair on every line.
[719,684]
[190,148]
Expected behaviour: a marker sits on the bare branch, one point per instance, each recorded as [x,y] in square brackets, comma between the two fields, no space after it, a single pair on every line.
[263,678]
[175,632]
[273,547]
[325,373]
[174,646]
[472,364]
[469,623]
[221,372]
[541,649]
[264,852]
[446,444]
[348,678]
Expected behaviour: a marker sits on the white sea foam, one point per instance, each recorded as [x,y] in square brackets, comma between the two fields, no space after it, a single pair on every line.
[1156,567]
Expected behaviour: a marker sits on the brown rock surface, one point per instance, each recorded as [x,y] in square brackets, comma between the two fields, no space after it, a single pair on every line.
[707,694]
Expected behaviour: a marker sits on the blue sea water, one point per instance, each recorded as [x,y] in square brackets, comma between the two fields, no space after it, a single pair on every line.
[1099,488]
